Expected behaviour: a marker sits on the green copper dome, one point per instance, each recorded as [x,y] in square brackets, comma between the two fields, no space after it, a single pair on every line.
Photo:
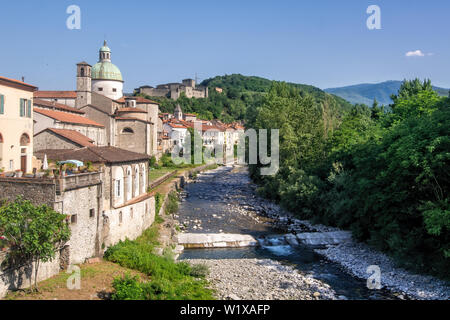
[105,70]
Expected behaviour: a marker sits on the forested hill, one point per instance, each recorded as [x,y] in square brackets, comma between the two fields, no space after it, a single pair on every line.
[242,94]
[366,93]
[236,83]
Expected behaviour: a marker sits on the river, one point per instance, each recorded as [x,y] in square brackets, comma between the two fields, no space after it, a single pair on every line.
[224,201]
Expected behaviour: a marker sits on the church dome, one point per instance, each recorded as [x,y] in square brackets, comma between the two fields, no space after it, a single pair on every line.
[105,69]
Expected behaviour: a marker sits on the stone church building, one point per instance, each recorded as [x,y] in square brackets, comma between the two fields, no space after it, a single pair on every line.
[129,123]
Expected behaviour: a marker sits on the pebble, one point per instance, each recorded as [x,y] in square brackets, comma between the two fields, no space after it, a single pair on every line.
[262,279]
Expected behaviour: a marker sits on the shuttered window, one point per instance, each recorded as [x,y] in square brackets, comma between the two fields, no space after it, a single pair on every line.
[29,109]
[2,104]
[22,107]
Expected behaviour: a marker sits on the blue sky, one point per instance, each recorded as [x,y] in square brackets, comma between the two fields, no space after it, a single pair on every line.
[324,42]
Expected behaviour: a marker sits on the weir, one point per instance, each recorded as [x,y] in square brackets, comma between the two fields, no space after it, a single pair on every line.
[216,240]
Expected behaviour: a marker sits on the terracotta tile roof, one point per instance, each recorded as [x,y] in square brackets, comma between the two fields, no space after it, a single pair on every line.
[132,118]
[136,110]
[73,136]
[56,94]
[56,106]
[6,80]
[68,118]
[109,155]
[177,125]
[138,100]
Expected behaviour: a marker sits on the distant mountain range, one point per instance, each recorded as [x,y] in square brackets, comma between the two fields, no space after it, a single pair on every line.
[366,93]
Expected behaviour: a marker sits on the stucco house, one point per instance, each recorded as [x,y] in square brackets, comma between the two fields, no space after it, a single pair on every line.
[16,125]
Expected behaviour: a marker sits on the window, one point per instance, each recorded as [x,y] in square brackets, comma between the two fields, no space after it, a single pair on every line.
[1,138]
[25,108]
[92,213]
[128,130]
[131,213]
[73,219]
[2,104]
[11,165]
[82,72]
[120,217]
[22,107]
[118,188]
[114,90]
[29,109]
[100,89]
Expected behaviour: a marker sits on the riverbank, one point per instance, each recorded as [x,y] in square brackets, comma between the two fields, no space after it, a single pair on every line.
[227,203]
[255,279]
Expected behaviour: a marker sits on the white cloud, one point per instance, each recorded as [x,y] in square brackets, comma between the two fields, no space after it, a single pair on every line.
[417,53]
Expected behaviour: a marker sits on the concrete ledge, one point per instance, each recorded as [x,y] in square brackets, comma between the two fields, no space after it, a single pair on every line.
[324,238]
[216,240]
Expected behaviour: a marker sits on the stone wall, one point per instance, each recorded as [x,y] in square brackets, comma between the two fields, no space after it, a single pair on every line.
[135,142]
[85,232]
[39,192]
[97,225]
[128,222]
[18,278]
[48,140]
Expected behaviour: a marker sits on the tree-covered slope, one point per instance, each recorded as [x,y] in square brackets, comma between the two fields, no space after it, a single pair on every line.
[366,93]
[242,94]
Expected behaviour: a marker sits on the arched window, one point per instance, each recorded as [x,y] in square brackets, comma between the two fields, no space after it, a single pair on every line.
[129,183]
[136,181]
[128,131]
[143,179]
[1,138]
[118,186]
[25,140]
[82,72]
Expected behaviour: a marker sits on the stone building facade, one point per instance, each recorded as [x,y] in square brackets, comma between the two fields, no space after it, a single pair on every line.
[174,90]
[102,207]
[61,139]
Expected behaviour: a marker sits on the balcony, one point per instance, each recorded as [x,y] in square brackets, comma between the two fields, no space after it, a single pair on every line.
[77,181]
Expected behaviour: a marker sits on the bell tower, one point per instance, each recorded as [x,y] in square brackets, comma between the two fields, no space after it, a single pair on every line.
[84,85]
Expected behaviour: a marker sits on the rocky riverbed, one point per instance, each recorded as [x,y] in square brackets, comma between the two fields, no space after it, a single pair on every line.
[255,279]
[224,201]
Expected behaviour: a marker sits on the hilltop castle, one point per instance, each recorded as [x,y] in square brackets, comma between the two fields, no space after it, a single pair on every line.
[174,90]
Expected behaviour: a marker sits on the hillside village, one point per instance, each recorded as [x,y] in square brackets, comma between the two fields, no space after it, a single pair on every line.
[105,140]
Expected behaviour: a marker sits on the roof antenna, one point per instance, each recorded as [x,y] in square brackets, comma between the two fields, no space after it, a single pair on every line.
[23,79]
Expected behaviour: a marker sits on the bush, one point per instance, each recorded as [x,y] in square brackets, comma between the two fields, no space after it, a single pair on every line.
[169,280]
[159,199]
[199,270]
[152,162]
[172,203]
[127,288]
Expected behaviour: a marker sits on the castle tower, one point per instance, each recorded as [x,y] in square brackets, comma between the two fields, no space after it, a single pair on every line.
[84,85]
[178,113]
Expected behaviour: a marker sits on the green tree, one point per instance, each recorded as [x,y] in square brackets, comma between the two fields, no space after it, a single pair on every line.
[34,233]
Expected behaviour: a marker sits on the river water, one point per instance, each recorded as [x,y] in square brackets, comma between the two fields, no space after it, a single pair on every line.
[224,200]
